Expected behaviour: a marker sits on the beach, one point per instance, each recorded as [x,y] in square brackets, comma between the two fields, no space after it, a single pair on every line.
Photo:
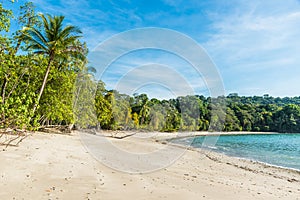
[54,166]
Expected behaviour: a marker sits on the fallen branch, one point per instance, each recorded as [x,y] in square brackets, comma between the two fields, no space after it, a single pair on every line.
[58,129]
[12,137]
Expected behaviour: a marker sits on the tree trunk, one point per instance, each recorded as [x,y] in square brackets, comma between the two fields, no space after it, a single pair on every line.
[3,89]
[43,85]
[3,96]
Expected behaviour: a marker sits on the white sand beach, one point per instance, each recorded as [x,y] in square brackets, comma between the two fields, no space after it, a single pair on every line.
[53,166]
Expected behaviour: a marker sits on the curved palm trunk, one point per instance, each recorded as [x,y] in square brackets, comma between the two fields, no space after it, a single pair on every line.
[43,85]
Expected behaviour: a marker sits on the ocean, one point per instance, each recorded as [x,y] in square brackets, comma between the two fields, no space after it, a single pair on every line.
[281,150]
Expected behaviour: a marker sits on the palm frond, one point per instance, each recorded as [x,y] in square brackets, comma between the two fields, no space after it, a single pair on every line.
[45,24]
[34,44]
[56,40]
[68,31]
[37,35]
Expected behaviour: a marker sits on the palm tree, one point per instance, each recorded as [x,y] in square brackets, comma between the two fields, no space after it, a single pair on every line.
[54,41]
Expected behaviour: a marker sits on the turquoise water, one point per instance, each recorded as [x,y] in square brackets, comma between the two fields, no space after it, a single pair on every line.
[277,149]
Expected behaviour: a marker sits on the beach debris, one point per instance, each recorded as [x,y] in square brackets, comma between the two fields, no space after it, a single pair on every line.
[12,137]
[57,129]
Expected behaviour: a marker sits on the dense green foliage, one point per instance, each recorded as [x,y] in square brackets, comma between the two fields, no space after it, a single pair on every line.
[44,80]
[39,65]
[198,113]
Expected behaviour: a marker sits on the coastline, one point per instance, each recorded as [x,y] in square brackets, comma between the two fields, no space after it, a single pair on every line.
[53,166]
[238,159]
[173,135]
[206,133]
[170,138]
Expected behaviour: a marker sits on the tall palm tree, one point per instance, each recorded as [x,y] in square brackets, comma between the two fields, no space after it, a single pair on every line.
[54,41]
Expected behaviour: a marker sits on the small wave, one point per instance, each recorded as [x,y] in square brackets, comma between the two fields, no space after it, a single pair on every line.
[209,147]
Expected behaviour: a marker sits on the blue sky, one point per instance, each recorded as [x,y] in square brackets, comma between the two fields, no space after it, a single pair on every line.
[255,45]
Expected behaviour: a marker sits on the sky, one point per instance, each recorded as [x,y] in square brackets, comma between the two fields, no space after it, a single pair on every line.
[254,45]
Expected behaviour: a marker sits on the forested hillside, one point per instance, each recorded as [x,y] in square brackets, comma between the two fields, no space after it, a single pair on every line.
[231,113]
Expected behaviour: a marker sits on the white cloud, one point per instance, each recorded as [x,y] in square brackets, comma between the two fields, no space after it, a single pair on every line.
[256,40]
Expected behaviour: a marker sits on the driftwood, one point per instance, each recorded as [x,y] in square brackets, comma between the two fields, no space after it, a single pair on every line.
[116,136]
[58,129]
[109,134]
[12,137]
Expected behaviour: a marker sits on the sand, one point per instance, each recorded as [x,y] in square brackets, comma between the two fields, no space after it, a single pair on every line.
[53,166]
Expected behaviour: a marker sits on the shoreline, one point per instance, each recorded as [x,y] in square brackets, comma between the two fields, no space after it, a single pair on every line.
[207,151]
[189,147]
[163,137]
[172,135]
